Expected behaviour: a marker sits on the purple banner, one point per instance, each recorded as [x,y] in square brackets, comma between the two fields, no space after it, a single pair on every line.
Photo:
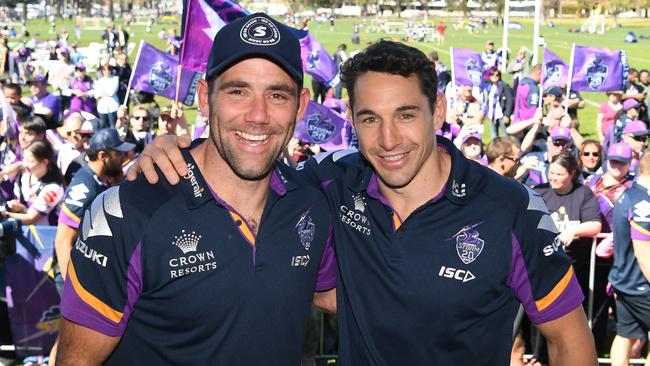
[202,20]
[32,298]
[322,126]
[468,67]
[554,71]
[315,59]
[598,69]
[155,72]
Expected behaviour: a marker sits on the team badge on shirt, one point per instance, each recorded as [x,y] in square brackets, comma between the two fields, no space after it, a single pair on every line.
[306,229]
[468,244]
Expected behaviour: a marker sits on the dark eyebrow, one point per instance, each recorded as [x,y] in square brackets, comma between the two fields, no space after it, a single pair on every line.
[283,87]
[407,108]
[233,84]
[399,109]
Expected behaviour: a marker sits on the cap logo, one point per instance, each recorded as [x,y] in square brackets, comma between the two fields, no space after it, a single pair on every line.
[260,31]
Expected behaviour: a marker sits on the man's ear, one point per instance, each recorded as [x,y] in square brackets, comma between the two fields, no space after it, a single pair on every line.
[439,111]
[202,89]
[303,102]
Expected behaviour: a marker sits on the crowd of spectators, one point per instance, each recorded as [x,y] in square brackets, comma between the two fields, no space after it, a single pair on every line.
[74,120]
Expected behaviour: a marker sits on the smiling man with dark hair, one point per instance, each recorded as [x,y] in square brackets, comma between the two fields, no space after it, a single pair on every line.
[431,257]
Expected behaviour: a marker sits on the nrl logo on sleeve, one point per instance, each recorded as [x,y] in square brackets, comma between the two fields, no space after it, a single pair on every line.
[260,31]
[306,230]
[468,244]
[596,73]
[161,77]
[458,189]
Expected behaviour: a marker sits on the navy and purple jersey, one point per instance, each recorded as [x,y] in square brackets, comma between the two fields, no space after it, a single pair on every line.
[82,191]
[427,289]
[181,277]
[631,221]
[526,100]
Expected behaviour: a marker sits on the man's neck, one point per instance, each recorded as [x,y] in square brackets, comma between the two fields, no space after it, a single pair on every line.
[96,167]
[429,182]
[247,197]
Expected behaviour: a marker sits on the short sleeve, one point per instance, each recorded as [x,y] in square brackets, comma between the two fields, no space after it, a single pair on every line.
[326,279]
[104,274]
[541,274]
[589,210]
[639,225]
[76,201]
[48,198]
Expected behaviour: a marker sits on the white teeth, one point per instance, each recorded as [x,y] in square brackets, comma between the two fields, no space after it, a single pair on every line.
[251,137]
[393,158]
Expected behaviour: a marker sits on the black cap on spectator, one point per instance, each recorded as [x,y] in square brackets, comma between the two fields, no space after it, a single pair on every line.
[256,35]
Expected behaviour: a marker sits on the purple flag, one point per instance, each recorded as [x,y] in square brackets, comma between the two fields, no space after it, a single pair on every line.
[554,71]
[315,59]
[155,72]
[323,126]
[32,298]
[201,22]
[468,67]
[598,69]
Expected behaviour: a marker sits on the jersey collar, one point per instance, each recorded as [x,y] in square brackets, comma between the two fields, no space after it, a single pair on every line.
[197,191]
[458,189]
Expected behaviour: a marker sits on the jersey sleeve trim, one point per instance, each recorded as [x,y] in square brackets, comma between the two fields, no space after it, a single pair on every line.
[559,288]
[95,303]
[641,232]
[70,214]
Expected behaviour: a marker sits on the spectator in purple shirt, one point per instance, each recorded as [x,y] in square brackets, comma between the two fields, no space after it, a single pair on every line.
[81,87]
[45,104]
[526,102]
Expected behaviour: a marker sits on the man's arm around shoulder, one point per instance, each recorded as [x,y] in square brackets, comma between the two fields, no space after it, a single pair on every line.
[82,346]
[569,340]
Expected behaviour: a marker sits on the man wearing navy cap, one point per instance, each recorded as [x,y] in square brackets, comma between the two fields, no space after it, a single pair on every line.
[222,269]
[435,251]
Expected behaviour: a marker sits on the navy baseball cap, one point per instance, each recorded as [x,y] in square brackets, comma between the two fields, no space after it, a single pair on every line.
[109,139]
[256,35]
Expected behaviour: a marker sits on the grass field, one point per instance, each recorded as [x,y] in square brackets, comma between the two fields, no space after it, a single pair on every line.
[558,39]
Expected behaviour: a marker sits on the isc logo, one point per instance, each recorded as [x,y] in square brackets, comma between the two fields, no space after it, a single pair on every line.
[456,274]
[299,261]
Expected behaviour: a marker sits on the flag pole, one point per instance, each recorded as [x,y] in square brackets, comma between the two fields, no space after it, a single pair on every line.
[178,82]
[506,25]
[541,82]
[453,74]
[135,67]
[570,76]
[538,10]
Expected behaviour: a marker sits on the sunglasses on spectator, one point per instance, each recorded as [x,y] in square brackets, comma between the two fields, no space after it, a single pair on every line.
[144,118]
[595,154]
[512,158]
[560,143]
[640,138]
